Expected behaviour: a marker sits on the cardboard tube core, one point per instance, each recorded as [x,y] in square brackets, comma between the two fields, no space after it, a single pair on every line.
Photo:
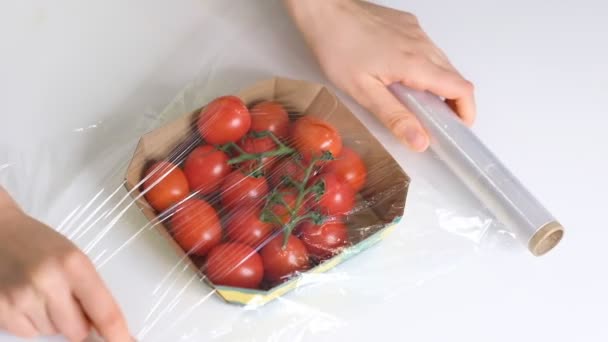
[546,238]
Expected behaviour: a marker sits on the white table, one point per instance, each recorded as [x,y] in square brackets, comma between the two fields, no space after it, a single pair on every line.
[71,72]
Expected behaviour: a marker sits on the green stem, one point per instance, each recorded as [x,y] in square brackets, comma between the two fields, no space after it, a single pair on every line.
[276,197]
[273,137]
[230,145]
[313,188]
[289,180]
[289,227]
[276,219]
[299,163]
[243,157]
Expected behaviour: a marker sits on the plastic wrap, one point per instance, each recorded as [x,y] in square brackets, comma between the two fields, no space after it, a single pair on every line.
[482,172]
[91,185]
[299,185]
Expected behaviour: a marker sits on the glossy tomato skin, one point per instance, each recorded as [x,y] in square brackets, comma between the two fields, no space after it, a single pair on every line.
[349,168]
[258,145]
[245,226]
[205,168]
[281,263]
[196,226]
[171,188]
[270,116]
[312,136]
[325,240]
[225,119]
[337,199]
[287,167]
[239,189]
[234,264]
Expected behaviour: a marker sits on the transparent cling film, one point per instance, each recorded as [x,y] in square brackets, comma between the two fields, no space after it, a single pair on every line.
[301,187]
[285,222]
[482,172]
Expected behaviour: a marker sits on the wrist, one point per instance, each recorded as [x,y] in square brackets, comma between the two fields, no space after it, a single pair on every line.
[314,3]
[305,11]
[312,17]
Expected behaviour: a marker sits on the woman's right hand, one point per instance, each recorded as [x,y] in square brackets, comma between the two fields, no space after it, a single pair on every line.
[48,286]
[364,47]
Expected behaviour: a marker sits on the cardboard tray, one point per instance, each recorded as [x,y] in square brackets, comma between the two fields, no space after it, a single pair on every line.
[379,208]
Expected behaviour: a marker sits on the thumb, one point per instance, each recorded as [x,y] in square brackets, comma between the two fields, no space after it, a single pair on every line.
[376,98]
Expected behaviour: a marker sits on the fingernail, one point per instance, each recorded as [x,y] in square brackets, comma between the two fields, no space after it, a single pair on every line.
[416,139]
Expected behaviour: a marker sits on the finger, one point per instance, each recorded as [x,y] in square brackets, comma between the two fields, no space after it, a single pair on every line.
[67,316]
[40,319]
[465,107]
[97,302]
[446,83]
[376,98]
[20,325]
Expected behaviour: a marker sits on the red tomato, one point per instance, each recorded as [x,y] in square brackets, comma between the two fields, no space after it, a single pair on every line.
[165,185]
[196,226]
[325,240]
[287,167]
[235,264]
[245,226]
[225,119]
[258,145]
[270,116]
[205,169]
[281,263]
[338,198]
[243,190]
[311,136]
[348,168]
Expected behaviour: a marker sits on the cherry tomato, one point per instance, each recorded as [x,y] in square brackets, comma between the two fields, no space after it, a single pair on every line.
[225,119]
[325,240]
[205,169]
[281,263]
[165,185]
[287,167]
[244,226]
[243,190]
[270,116]
[348,168]
[337,198]
[311,136]
[258,145]
[196,226]
[235,264]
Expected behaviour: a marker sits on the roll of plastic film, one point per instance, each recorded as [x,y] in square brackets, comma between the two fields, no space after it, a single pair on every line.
[482,172]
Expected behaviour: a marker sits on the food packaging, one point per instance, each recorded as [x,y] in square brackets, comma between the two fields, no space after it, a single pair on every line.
[379,206]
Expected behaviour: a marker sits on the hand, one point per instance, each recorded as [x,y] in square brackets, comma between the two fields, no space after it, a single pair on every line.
[363,47]
[49,287]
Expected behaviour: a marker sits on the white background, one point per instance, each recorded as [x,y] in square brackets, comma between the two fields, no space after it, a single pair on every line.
[541,74]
